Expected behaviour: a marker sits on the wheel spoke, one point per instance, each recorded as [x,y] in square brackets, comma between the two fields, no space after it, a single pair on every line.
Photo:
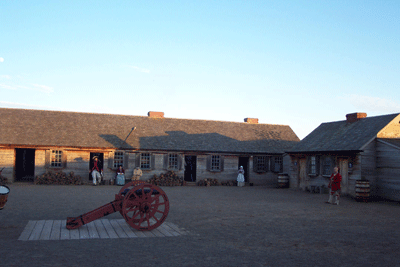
[133,208]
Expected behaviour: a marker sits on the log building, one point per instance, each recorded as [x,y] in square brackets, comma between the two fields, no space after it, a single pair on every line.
[364,148]
[33,142]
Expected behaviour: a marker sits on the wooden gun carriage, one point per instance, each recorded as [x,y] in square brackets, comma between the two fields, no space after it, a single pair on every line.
[144,207]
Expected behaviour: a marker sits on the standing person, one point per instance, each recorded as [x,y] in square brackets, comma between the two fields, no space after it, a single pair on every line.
[120,179]
[96,171]
[334,186]
[240,177]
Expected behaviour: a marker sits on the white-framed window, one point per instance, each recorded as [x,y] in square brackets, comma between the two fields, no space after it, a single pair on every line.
[145,159]
[56,159]
[327,166]
[312,166]
[260,163]
[173,161]
[215,162]
[118,159]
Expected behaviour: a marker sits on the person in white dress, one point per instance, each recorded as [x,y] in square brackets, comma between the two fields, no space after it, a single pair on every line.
[240,177]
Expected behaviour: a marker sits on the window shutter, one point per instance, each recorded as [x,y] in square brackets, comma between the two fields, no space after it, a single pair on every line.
[308,161]
[111,160]
[272,164]
[137,160]
[152,161]
[255,159]
[165,161]
[126,161]
[208,163]
[222,163]
[64,159]
[180,162]
[267,164]
[47,158]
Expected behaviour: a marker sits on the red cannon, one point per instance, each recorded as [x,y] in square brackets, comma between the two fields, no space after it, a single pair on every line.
[144,207]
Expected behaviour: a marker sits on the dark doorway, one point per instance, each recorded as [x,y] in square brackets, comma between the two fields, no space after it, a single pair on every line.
[100,156]
[24,165]
[190,168]
[244,161]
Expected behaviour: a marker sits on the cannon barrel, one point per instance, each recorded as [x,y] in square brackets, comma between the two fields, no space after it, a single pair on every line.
[76,222]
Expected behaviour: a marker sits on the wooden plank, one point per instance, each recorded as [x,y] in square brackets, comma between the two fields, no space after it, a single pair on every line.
[101,229]
[126,227]
[64,231]
[92,230]
[27,231]
[148,234]
[117,228]
[83,232]
[46,231]
[109,229]
[169,229]
[157,233]
[37,230]
[56,230]
[139,233]
[74,234]
[163,230]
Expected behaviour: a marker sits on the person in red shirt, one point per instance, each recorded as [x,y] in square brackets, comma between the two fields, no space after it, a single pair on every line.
[96,171]
[334,186]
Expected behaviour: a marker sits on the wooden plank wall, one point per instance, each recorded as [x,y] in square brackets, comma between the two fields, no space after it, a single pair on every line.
[7,159]
[77,161]
[368,166]
[388,171]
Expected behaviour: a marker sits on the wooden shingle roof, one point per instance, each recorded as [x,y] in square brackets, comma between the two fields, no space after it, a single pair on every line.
[88,130]
[342,135]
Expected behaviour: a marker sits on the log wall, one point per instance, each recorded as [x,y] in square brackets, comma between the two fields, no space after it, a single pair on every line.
[388,171]
[368,165]
[78,160]
[7,159]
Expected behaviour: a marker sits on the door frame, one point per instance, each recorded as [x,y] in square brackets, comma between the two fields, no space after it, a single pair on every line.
[244,161]
[24,164]
[101,159]
[190,175]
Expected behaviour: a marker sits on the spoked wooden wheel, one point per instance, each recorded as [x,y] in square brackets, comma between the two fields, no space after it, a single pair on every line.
[145,207]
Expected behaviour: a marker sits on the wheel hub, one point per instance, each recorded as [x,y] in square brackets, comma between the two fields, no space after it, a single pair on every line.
[145,207]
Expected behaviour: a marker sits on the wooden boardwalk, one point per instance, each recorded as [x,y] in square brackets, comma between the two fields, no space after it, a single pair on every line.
[102,228]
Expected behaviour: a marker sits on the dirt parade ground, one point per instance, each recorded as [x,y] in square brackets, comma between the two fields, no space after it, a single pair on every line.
[210,226]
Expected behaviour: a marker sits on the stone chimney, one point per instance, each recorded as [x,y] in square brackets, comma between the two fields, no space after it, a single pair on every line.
[353,117]
[155,114]
[251,120]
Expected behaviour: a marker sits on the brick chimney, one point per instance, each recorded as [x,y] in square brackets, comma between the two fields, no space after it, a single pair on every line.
[251,120]
[353,117]
[155,114]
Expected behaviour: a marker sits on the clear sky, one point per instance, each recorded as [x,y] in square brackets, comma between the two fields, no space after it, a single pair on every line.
[297,63]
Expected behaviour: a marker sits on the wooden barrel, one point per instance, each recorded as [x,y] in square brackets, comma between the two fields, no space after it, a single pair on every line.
[4,190]
[283,180]
[362,190]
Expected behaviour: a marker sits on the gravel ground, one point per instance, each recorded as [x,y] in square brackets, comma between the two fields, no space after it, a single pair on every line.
[228,226]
